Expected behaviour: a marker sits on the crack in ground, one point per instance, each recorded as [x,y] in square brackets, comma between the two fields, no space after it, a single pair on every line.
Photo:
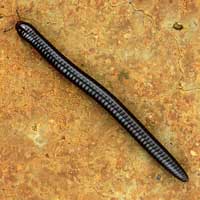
[135,9]
[179,63]
[7,29]
[17,9]
[116,4]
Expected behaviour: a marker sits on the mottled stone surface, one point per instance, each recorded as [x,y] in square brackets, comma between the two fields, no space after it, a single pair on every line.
[58,144]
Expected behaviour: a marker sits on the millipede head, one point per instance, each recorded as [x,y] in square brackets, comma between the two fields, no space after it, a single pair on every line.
[22,26]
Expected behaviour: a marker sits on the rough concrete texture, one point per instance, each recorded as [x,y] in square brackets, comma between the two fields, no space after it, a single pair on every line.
[58,144]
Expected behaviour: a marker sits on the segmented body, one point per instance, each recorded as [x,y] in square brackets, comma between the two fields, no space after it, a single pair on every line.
[103,97]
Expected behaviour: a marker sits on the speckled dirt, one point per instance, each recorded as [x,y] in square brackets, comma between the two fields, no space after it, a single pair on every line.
[58,144]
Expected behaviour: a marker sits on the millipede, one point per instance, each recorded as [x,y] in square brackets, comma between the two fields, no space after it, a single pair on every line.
[104,97]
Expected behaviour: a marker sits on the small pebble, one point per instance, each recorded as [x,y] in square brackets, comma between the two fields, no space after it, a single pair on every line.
[158,177]
[178,26]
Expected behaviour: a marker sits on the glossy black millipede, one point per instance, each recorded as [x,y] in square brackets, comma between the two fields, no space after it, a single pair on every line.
[103,97]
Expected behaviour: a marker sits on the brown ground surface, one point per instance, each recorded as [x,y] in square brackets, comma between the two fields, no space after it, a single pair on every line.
[58,144]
